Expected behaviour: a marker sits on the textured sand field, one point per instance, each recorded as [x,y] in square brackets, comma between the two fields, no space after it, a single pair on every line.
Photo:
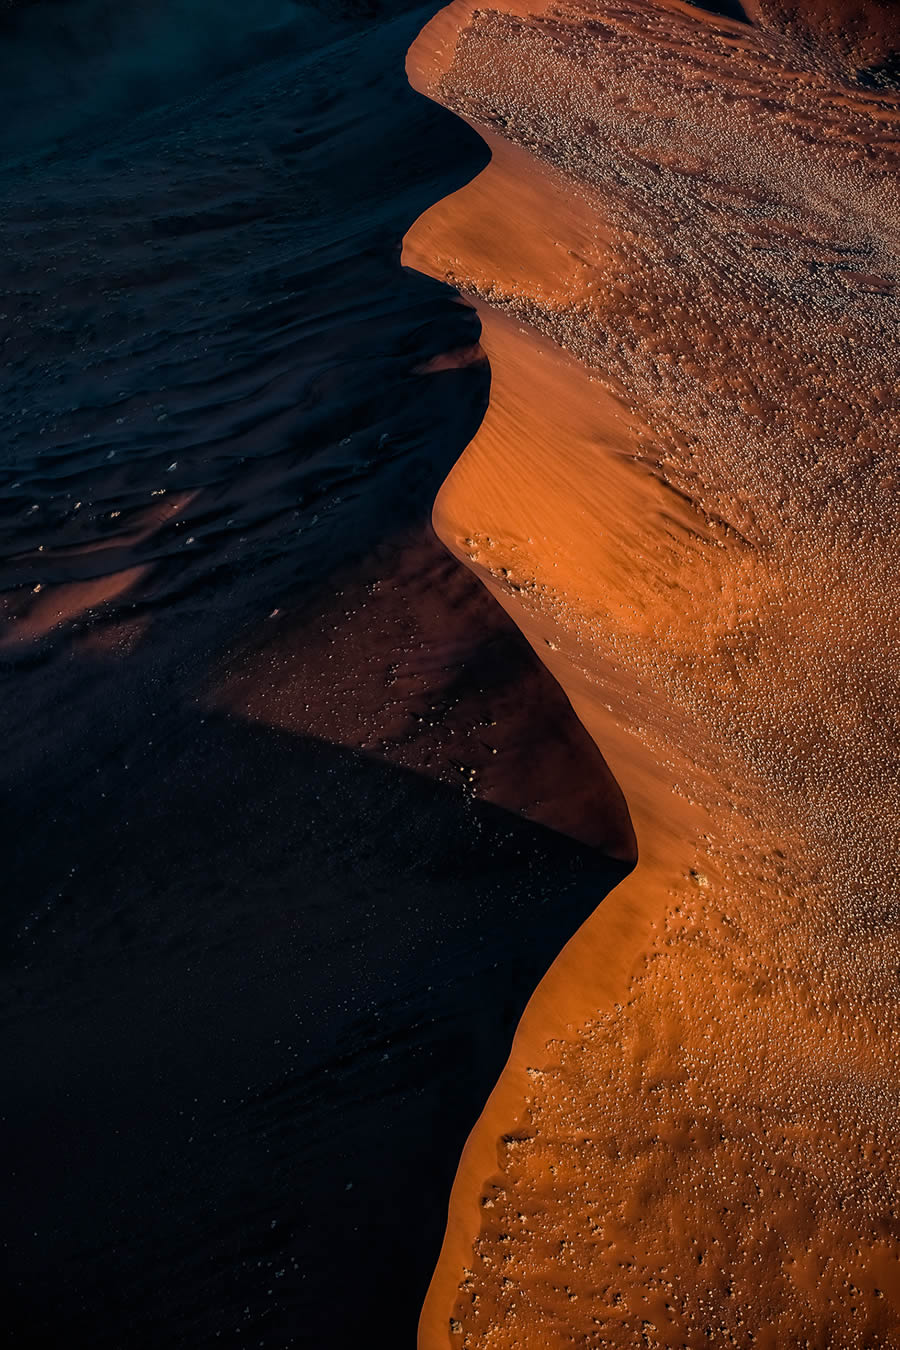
[685,256]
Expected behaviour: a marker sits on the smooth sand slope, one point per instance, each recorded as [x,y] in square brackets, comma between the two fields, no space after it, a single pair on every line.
[685,256]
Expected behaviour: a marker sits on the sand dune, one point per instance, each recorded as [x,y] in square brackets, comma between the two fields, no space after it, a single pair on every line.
[296,817]
[685,256]
[281,840]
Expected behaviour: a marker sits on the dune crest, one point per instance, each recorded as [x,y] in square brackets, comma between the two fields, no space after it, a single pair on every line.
[685,257]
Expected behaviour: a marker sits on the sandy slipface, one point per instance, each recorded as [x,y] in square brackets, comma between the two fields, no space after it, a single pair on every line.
[294,819]
[266,800]
[685,257]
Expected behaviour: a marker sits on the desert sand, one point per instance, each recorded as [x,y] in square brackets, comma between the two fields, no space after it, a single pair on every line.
[323,734]
[294,819]
[684,254]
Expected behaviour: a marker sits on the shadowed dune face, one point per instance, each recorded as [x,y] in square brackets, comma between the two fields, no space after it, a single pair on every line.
[232,1063]
[278,872]
[685,257]
[72,66]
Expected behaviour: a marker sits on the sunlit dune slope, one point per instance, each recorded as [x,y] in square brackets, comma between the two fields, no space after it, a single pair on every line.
[685,257]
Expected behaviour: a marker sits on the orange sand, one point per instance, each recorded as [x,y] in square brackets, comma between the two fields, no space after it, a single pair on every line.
[685,256]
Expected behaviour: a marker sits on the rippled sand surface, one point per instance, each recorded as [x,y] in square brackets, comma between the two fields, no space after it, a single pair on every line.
[685,256]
